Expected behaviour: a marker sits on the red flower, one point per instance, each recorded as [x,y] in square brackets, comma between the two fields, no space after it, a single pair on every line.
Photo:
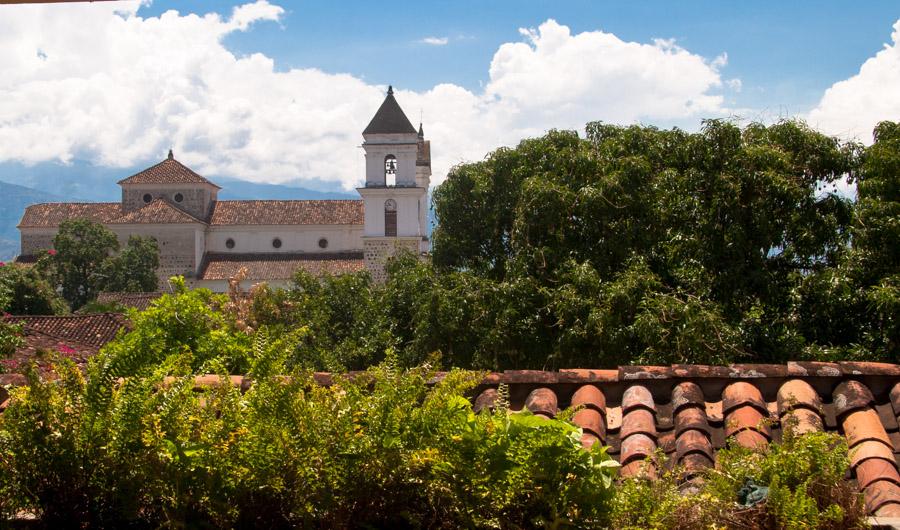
[2,264]
[51,252]
[65,350]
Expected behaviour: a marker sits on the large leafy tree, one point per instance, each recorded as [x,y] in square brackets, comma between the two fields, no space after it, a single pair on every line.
[642,245]
[85,261]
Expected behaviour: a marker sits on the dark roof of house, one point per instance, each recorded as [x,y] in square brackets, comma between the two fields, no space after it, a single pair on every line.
[159,211]
[169,171]
[139,301]
[318,212]
[390,118]
[36,343]
[278,266]
[51,214]
[91,330]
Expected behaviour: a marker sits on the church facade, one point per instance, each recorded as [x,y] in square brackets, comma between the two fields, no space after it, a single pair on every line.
[208,241]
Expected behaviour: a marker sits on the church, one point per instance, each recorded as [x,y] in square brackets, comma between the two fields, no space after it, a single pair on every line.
[208,241]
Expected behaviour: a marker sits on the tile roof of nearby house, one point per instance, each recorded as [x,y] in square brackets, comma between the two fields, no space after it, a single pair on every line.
[278,266]
[139,301]
[159,211]
[38,343]
[690,412]
[50,215]
[91,330]
[390,118]
[318,212]
[169,171]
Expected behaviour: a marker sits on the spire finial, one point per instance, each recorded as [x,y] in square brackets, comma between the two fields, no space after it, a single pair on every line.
[171,156]
[421,132]
[390,90]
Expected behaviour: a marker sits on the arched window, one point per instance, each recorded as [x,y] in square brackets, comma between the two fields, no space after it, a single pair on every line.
[390,218]
[390,170]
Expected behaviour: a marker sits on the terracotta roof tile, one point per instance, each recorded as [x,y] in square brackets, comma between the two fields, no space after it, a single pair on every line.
[278,266]
[92,330]
[589,396]
[169,171]
[485,400]
[542,401]
[320,212]
[742,393]
[50,215]
[797,393]
[139,301]
[851,395]
[157,212]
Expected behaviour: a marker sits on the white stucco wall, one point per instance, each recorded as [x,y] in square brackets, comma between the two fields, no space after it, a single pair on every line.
[403,146]
[294,238]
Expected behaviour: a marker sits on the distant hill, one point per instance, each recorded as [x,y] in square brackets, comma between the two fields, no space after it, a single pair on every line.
[15,199]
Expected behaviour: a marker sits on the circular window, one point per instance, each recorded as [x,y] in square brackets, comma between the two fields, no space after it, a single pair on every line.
[179,197]
[390,205]
[323,243]
[148,198]
[276,243]
[229,243]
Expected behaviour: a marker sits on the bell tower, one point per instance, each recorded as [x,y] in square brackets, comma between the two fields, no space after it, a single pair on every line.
[398,172]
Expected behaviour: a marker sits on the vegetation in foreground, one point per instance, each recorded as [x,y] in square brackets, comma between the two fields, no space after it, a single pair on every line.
[384,449]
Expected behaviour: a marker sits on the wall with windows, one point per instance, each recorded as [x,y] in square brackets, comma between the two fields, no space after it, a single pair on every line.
[281,238]
[193,199]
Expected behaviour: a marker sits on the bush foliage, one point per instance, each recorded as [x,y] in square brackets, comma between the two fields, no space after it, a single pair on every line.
[384,449]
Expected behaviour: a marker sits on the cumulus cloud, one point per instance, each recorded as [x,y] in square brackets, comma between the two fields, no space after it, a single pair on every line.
[119,89]
[435,41]
[851,108]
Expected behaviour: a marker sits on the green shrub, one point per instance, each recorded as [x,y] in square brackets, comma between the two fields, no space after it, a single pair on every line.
[384,449]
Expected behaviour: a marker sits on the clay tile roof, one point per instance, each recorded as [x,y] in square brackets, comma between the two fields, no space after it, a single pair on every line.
[157,212]
[390,118]
[319,212]
[279,266]
[37,343]
[139,301]
[691,412]
[169,171]
[50,215]
[91,330]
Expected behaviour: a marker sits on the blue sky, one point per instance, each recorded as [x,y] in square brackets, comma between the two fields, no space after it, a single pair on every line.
[278,91]
[785,53]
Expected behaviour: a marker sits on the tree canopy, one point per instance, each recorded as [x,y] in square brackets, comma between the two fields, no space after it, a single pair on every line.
[85,260]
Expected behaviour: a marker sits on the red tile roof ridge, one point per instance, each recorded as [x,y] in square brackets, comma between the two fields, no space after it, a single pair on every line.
[158,211]
[175,173]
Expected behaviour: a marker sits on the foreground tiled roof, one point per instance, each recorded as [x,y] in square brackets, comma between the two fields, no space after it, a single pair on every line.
[157,212]
[50,215]
[690,412]
[139,301]
[321,212]
[91,330]
[279,266]
[169,171]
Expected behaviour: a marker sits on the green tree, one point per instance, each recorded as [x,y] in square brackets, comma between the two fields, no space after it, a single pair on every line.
[24,291]
[134,268]
[85,261]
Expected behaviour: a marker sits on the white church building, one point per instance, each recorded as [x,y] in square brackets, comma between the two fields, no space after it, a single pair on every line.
[208,241]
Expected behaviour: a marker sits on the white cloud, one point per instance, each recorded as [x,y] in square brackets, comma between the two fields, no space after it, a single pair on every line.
[435,41]
[118,89]
[851,108]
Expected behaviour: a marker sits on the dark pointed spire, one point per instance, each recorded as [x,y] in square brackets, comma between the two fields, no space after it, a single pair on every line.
[171,156]
[390,118]
[421,132]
